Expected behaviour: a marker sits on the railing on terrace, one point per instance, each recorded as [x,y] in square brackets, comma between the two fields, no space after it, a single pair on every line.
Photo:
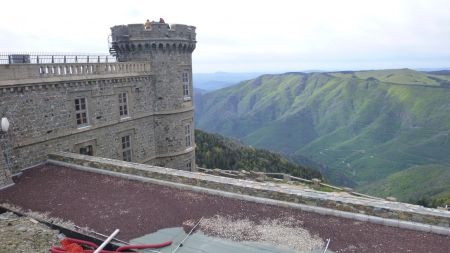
[40,58]
[279,177]
[26,66]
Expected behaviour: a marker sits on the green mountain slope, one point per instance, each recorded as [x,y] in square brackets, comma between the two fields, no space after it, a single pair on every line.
[425,184]
[363,126]
[215,151]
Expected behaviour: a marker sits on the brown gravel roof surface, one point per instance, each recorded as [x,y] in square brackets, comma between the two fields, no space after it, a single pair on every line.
[104,203]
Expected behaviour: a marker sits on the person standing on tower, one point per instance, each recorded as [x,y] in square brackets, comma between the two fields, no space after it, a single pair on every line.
[147,25]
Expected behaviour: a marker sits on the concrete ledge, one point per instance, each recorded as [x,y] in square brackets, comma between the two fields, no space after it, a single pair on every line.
[376,220]
[6,186]
[368,210]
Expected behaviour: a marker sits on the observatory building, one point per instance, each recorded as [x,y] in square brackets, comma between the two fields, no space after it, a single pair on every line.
[135,105]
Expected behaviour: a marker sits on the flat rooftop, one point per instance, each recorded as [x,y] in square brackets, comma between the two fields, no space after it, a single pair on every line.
[104,203]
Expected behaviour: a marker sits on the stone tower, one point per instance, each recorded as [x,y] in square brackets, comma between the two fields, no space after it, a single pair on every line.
[168,50]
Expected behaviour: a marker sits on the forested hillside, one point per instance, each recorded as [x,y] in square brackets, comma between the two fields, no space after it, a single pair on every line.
[215,151]
[364,126]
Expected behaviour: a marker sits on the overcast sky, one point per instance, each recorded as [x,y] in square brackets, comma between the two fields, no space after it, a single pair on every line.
[247,35]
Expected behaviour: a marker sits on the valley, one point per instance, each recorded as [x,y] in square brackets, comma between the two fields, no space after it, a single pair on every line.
[366,128]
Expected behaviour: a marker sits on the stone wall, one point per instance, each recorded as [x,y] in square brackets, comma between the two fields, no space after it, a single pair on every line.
[157,30]
[42,117]
[378,211]
[5,150]
[134,42]
[5,179]
[39,99]
[168,50]
[24,73]
[177,162]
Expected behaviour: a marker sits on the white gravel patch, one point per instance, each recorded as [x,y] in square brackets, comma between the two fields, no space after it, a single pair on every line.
[284,233]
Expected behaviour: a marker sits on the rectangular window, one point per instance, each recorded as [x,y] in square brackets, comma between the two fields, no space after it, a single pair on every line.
[123,104]
[126,148]
[81,112]
[189,166]
[185,78]
[87,150]
[187,134]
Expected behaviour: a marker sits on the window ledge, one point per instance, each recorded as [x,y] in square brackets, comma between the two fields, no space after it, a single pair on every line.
[189,149]
[125,118]
[187,98]
[83,127]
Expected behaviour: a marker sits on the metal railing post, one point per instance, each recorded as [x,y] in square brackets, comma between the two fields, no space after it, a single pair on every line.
[52,58]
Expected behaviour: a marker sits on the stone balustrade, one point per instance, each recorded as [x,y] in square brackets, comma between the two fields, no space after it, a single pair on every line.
[61,70]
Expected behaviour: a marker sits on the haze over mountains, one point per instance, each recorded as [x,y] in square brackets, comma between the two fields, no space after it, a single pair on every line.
[219,80]
[373,130]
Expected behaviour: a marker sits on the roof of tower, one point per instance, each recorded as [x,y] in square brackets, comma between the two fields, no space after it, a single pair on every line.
[153,30]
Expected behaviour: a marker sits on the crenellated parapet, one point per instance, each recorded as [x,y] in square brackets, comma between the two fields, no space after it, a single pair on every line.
[154,31]
[156,38]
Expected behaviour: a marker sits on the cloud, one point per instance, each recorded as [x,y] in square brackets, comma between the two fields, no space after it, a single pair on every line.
[251,35]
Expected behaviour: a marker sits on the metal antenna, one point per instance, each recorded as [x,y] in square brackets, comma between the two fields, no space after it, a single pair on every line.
[326,247]
[190,232]
[107,241]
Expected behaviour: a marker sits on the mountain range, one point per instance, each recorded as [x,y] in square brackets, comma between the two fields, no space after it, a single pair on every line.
[371,130]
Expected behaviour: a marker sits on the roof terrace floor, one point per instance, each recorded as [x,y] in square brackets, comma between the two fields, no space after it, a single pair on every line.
[104,203]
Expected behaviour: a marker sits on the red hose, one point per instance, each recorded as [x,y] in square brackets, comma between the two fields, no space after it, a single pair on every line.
[144,246]
[61,250]
[68,241]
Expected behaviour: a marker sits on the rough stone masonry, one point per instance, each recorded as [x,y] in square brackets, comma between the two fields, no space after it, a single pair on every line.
[138,109]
